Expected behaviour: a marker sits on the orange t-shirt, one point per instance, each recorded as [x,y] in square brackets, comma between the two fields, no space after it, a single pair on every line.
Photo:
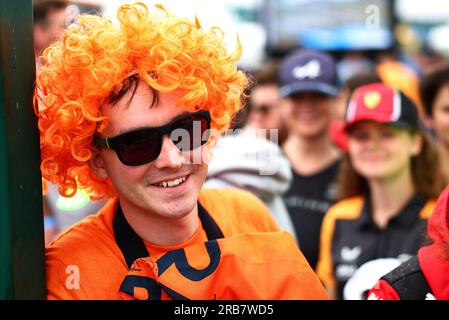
[85,262]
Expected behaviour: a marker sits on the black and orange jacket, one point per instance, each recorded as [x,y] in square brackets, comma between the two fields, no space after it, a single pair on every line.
[428,278]
[349,238]
[252,259]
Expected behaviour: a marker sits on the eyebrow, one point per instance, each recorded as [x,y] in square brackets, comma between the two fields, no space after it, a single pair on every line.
[178,117]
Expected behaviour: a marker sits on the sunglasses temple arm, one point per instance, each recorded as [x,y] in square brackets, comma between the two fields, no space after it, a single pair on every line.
[102,143]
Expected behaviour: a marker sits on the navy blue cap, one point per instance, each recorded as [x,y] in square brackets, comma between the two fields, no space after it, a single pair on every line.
[305,70]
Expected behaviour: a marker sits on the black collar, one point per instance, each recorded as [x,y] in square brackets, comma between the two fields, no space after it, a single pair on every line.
[405,218]
[133,247]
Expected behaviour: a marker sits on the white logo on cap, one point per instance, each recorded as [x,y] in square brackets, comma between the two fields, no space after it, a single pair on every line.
[311,69]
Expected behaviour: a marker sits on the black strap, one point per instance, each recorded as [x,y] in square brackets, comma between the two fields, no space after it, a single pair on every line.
[213,232]
[128,241]
[133,247]
[408,281]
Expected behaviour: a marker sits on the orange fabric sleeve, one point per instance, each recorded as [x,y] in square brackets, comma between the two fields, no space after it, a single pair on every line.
[259,215]
[63,282]
[345,209]
[324,267]
[243,212]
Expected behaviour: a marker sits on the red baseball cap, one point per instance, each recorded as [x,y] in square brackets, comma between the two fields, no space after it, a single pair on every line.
[381,103]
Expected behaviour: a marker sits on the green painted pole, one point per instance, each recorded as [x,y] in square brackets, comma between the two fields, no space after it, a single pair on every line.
[22,268]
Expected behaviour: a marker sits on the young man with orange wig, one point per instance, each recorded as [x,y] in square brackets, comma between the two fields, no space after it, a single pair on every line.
[128,112]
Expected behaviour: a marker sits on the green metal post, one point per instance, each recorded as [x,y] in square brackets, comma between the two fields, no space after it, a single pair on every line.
[22,268]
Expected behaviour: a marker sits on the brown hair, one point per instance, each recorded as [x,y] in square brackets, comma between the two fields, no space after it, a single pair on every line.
[41,9]
[361,79]
[428,176]
[266,75]
[431,84]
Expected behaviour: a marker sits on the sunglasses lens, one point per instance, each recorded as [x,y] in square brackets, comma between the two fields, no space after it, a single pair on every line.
[263,109]
[139,147]
[203,124]
[191,132]
[142,146]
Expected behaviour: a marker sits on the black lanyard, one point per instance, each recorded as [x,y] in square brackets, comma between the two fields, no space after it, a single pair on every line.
[133,247]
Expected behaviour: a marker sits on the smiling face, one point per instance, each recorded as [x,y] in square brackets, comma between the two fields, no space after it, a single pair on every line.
[168,186]
[308,114]
[265,113]
[378,151]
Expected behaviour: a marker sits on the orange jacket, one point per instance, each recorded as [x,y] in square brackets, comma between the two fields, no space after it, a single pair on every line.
[252,261]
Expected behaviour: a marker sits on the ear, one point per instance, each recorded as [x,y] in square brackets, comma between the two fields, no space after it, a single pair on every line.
[417,144]
[97,164]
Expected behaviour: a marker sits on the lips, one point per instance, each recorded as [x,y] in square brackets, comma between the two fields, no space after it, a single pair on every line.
[372,156]
[170,183]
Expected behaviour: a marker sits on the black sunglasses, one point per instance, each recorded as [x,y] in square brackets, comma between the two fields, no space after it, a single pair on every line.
[137,147]
[263,109]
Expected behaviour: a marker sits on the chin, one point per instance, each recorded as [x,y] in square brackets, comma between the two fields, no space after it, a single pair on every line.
[374,174]
[176,209]
[311,134]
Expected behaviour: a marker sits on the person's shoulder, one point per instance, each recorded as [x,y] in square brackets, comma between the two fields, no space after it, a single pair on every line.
[238,209]
[349,208]
[87,235]
[232,199]
[82,254]
[233,195]
[405,282]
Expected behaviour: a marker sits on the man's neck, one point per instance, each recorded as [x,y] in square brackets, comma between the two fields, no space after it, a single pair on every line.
[160,230]
[388,197]
[311,155]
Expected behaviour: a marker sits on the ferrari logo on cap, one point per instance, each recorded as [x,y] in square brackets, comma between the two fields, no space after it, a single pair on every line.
[372,99]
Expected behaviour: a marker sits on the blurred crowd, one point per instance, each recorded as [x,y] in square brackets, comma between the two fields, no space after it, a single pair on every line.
[348,151]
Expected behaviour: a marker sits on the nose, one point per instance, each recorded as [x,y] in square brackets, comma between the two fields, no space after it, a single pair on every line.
[306,105]
[255,119]
[373,140]
[170,156]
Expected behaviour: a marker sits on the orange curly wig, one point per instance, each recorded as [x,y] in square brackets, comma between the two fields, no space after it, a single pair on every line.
[95,56]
